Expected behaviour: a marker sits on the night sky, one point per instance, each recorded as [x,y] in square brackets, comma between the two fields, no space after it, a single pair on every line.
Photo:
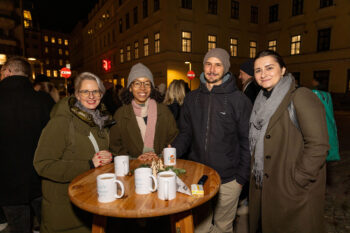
[62,15]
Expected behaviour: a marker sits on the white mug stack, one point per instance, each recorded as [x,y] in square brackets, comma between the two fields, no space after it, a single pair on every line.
[169,156]
[166,185]
[107,187]
[144,180]
[121,165]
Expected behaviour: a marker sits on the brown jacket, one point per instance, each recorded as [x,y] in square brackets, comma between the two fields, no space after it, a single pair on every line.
[125,135]
[292,197]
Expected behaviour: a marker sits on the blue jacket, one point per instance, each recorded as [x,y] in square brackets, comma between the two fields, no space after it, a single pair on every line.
[215,125]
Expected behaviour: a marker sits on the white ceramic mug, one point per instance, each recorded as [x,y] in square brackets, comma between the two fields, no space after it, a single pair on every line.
[144,180]
[169,155]
[121,165]
[107,187]
[166,185]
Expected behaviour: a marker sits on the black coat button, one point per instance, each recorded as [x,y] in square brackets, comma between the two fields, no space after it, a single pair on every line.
[268,157]
[268,136]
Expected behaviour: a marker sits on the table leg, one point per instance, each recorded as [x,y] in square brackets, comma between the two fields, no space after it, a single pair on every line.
[182,222]
[99,224]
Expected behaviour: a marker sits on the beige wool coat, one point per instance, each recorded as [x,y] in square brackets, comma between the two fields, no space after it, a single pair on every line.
[293,193]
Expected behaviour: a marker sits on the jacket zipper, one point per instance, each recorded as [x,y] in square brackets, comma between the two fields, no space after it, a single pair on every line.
[208,130]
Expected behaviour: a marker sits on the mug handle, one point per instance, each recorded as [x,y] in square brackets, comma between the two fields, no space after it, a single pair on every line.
[121,187]
[155,183]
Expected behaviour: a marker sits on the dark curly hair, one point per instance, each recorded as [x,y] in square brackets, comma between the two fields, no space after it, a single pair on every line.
[127,96]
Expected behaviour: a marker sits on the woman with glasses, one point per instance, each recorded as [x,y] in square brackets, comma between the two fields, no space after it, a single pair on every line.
[144,125]
[74,141]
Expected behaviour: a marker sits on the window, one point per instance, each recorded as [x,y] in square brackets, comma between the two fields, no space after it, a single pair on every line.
[53,40]
[212,7]
[273,13]
[326,3]
[186,42]
[252,49]
[324,40]
[27,19]
[254,14]
[128,53]
[187,4]
[120,25]
[121,55]
[59,40]
[55,73]
[46,50]
[136,19]
[145,8]
[145,46]
[295,45]
[66,53]
[136,49]
[297,8]
[46,38]
[234,9]
[60,62]
[127,22]
[322,76]
[233,47]
[156,5]
[157,42]
[60,51]
[48,73]
[66,42]
[272,45]
[211,42]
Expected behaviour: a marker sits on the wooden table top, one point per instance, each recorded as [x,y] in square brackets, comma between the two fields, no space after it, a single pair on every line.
[82,192]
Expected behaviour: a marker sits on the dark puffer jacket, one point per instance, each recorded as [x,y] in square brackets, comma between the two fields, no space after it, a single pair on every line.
[216,124]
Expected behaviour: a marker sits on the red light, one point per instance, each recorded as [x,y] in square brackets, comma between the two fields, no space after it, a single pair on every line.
[106,64]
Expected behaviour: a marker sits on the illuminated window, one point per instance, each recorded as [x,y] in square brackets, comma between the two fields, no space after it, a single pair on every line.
[121,55]
[46,50]
[27,19]
[157,42]
[128,53]
[211,42]
[272,45]
[233,47]
[48,73]
[59,41]
[136,49]
[186,42]
[145,46]
[295,45]
[66,42]
[66,52]
[55,73]
[46,38]
[252,49]
[61,62]
[53,40]
[60,51]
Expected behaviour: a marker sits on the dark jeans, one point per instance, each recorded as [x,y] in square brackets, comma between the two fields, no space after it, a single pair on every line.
[19,217]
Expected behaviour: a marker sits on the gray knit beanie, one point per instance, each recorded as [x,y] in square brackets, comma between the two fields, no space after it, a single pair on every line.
[139,70]
[220,54]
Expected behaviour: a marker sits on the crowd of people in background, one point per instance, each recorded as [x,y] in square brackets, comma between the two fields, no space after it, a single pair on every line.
[268,142]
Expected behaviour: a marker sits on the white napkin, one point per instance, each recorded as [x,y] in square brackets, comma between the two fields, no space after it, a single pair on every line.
[181,187]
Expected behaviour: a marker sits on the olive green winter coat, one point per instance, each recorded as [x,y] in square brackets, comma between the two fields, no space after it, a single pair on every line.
[293,192]
[126,137]
[63,152]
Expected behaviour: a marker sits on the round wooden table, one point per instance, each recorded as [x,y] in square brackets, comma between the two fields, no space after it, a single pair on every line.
[82,192]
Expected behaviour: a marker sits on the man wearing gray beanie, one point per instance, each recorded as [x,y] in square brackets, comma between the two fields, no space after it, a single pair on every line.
[214,125]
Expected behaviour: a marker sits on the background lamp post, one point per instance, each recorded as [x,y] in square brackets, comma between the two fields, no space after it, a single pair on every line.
[190,73]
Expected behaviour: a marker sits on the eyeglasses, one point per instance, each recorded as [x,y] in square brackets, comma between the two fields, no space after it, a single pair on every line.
[138,84]
[86,93]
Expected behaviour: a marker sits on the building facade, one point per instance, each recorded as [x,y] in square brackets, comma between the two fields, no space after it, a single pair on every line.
[164,34]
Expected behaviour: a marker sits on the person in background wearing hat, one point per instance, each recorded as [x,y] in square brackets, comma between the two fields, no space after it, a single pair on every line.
[214,123]
[144,125]
[42,83]
[246,75]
